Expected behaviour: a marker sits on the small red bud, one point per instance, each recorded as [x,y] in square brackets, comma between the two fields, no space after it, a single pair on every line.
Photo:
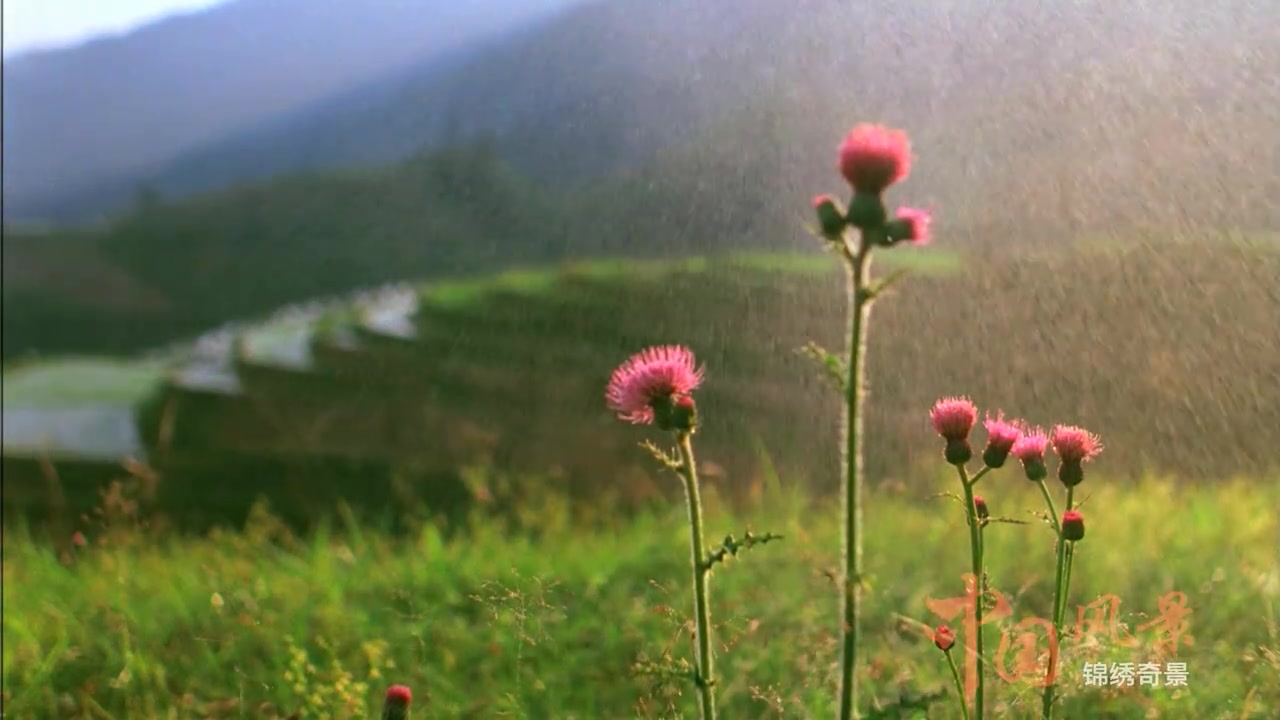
[1072,525]
[396,705]
[831,217]
[684,418]
[944,638]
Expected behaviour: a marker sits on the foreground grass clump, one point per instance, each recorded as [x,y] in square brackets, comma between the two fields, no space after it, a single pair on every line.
[261,624]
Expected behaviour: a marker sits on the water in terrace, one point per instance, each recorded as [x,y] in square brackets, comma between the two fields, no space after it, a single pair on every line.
[1103,178]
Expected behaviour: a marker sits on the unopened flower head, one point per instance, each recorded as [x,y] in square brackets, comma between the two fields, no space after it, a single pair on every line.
[1029,449]
[684,414]
[910,225]
[944,638]
[953,419]
[647,386]
[980,508]
[873,157]
[831,217]
[1075,446]
[396,705]
[1001,435]
[1072,525]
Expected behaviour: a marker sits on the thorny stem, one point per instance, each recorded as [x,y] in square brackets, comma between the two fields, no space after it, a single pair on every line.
[1069,548]
[859,271]
[975,554]
[1061,581]
[955,675]
[701,573]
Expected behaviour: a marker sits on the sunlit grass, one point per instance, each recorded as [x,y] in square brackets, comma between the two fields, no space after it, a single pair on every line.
[490,623]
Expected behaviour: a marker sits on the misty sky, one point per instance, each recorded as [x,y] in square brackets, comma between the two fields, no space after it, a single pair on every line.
[43,24]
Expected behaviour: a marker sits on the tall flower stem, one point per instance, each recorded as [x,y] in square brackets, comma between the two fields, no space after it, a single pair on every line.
[1061,582]
[979,587]
[955,675]
[701,573]
[859,271]
[1068,550]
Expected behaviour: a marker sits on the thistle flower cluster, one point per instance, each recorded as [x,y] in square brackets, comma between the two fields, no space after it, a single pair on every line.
[953,419]
[656,385]
[871,159]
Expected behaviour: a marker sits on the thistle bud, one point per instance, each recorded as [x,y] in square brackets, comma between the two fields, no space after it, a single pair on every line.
[684,416]
[831,217]
[396,705]
[980,507]
[944,638]
[1072,525]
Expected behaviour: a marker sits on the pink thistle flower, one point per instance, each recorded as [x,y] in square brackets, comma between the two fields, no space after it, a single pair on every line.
[1001,435]
[873,157]
[911,226]
[1074,446]
[654,376]
[1029,449]
[1072,525]
[396,705]
[953,419]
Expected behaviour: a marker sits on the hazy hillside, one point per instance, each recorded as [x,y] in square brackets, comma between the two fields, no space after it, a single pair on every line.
[1031,126]
[240,252]
[342,394]
[1103,108]
[125,105]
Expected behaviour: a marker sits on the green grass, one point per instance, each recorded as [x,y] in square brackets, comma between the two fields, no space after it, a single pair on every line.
[546,621]
[540,282]
[80,381]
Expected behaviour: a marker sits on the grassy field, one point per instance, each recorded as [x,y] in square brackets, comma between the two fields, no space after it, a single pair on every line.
[548,621]
[545,612]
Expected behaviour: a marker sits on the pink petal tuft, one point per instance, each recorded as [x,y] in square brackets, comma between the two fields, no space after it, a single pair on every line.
[873,157]
[953,417]
[1075,444]
[652,374]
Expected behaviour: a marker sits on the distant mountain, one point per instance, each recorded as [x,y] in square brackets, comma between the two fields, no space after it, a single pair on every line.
[1071,114]
[662,127]
[106,113]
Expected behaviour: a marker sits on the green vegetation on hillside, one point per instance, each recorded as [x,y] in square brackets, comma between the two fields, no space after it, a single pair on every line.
[242,253]
[547,622]
[81,381]
[1165,350]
